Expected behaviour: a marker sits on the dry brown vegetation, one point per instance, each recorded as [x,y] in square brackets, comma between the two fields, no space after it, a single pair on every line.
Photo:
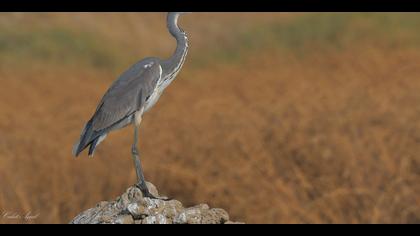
[277,118]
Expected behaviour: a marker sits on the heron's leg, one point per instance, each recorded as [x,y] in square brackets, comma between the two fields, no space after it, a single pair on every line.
[141,182]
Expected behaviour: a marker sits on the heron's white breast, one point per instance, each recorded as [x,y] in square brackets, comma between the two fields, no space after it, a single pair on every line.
[154,97]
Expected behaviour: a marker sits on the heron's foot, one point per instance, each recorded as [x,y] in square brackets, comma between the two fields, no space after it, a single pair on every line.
[147,194]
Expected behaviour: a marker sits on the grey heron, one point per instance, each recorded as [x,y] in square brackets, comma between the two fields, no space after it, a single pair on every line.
[131,95]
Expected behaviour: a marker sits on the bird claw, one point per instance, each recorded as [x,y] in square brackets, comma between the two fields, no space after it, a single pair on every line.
[147,194]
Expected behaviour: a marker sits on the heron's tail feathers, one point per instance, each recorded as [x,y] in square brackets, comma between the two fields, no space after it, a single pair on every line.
[85,139]
[95,143]
[88,137]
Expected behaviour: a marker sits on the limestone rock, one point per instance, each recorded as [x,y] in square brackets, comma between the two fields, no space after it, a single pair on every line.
[132,208]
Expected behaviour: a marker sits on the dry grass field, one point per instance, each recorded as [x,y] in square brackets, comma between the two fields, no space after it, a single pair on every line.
[276,117]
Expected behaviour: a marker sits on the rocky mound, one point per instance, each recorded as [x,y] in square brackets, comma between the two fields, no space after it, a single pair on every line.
[132,208]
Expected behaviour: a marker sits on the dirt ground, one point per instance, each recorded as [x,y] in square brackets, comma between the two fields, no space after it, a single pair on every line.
[319,126]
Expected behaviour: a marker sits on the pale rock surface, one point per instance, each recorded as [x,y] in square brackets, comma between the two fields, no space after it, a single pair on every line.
[132,208]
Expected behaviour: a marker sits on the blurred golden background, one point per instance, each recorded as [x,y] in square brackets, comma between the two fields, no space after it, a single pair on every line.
[275,117]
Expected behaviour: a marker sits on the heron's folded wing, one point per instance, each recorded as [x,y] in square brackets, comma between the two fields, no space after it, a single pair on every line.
[126,95]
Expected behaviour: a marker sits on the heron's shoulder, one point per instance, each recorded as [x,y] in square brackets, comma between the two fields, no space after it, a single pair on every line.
[152,65]
[147,62]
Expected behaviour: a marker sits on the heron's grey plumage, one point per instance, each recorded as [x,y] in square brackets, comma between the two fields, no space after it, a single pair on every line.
[134,92]
[128,94]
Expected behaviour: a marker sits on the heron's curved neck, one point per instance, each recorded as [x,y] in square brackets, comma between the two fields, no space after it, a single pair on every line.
[174,63]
